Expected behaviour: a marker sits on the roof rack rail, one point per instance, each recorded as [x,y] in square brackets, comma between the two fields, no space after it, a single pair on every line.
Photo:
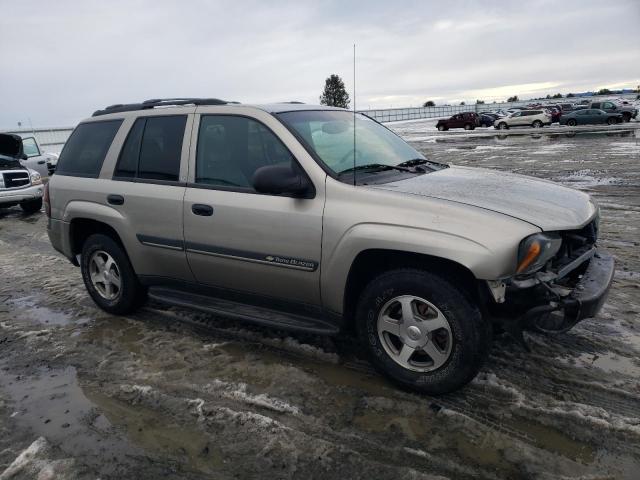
[159,102]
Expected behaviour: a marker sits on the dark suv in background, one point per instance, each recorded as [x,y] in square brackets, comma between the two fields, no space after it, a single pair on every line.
[466,120]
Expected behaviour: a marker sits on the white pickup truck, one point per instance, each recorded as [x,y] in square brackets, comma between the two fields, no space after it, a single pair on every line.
[19,184]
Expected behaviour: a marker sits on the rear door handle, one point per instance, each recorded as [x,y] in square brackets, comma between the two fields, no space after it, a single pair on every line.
[203,210]
[115,199]
[41,162]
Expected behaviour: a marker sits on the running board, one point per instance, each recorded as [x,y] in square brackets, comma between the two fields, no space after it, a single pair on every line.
[226,308]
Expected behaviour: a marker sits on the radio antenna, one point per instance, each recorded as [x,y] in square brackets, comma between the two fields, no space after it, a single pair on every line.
[354,115]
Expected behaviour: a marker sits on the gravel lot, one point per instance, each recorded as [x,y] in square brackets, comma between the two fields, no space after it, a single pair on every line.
[168,393]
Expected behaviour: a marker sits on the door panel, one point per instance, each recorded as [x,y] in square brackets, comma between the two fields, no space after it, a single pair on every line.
[154,215]
[35,161]
[148,187]
[267,245]
[238,239]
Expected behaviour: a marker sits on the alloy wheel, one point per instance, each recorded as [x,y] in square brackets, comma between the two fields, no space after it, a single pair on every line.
[105,275]
[414,333]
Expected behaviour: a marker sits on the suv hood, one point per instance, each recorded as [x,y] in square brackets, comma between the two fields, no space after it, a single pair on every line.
[542,203]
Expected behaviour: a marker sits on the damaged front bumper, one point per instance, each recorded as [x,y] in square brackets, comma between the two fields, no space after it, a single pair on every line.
[555,303]
[588,295]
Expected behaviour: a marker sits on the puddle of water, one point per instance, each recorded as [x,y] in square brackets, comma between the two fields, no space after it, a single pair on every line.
[336,375]
[84,422]
[28,309]
[53,405]
[606,361]
[553,440]
[160,434]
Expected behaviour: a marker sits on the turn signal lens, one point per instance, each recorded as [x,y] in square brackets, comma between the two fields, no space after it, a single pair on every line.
[531,255]
[536,250]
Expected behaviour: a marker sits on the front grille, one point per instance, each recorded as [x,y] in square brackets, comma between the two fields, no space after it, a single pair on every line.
[575,243]
[16,179]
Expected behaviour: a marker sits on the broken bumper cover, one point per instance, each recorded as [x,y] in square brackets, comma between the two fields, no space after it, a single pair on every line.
[592,289]
[587,297]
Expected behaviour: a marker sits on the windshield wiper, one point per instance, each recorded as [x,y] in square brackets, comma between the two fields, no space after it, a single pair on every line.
[414,162]
[377,167]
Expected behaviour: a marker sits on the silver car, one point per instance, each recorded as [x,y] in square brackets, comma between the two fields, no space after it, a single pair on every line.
[314,219]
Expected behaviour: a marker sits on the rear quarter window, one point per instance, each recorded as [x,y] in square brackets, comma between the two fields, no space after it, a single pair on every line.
[84,152]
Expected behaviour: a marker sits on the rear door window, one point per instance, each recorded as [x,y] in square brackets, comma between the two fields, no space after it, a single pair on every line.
[84,152]
[153,149]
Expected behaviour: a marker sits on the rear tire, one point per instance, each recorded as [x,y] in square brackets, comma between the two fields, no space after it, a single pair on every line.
[571,122]
[441,128]
[626,117]
[468,126]
[503,126]
[611,121]
[109,276]
[31,206]
[537,124]
[446,320]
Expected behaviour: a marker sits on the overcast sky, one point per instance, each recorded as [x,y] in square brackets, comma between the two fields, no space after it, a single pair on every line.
[61,60]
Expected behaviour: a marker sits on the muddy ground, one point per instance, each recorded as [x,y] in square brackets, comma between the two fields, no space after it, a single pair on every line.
[168,393]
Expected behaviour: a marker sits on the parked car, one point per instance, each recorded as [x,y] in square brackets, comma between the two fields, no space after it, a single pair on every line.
[555,113]
[36,159]
[466,120]
[487,119]
[19,185]
[530,118]
[269,214]
[628,112]
[499,112]
[589,116]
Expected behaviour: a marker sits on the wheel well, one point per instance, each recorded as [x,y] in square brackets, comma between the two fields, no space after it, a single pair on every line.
[82,228]
[371,263]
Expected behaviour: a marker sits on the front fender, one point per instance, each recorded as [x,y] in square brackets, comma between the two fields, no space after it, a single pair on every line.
[367,236]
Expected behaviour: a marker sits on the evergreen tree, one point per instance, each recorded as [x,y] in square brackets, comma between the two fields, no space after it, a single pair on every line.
[334,94]
[429,103]
[512,99]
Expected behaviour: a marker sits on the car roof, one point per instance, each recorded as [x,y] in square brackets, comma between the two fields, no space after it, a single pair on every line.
[160,106]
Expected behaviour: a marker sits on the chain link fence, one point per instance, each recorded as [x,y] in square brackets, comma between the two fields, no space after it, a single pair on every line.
[53,139]
[440,111]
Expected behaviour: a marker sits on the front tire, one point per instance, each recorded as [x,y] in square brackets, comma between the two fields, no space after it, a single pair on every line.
[422,332]
[626,117]
[611,121]
[537,124]
[109,276]
[31,206]
[441,128]
[571,122]
[503,126]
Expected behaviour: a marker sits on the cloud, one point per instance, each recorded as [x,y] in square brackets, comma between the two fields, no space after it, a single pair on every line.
[62,60]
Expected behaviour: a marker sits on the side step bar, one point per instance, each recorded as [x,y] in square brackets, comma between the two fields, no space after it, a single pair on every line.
[226,308]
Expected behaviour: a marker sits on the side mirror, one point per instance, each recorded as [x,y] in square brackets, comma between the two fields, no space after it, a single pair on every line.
[24,156]
[282,180]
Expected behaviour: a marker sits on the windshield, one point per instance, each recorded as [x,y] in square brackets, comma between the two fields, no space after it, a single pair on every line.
[330,134]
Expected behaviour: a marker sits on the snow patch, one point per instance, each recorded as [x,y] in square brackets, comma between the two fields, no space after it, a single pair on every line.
[34,462]
[239,392]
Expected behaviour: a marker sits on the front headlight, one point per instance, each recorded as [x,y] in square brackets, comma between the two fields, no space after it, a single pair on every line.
[536,250]
[36,179]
